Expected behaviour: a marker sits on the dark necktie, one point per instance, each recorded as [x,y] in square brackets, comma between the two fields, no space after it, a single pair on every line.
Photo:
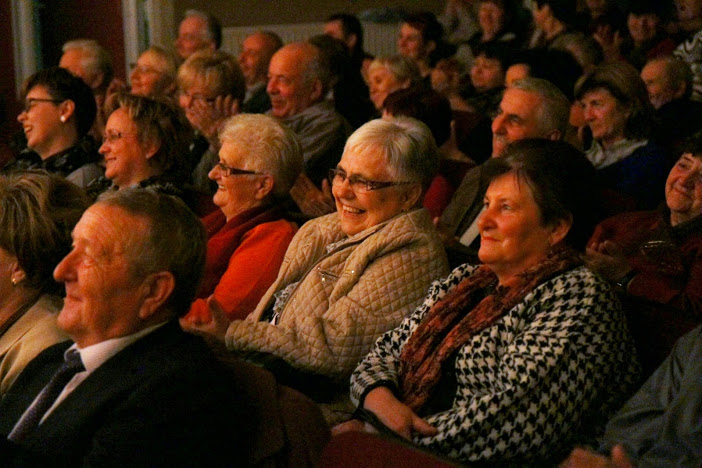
[31,418]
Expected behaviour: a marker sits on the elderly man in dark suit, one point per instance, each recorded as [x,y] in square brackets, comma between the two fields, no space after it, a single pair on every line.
[132,389]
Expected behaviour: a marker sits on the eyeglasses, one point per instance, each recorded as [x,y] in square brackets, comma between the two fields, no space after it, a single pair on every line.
[358,183]
[197,97]
[143,68]
[31,102]
[230,171]
[112,136]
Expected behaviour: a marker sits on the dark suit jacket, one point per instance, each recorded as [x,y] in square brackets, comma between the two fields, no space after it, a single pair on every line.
[258,103]
[162,401]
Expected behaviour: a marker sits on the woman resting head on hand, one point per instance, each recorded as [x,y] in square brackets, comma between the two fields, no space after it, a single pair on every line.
[498,364]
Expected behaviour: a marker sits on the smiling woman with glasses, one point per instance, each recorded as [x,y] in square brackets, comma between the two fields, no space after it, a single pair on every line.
[248,235]
[348,276]
[145,145]
[59,110]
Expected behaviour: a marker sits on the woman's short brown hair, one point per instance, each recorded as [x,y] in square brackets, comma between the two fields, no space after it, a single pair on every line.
[162,123]
[217,70]
[38,211]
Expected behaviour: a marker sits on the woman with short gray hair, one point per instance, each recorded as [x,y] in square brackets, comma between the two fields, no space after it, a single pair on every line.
[388,74]
[351,275]
[258,163]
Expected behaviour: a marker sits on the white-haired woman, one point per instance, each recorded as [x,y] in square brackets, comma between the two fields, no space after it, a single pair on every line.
[248,236]
[349,276]
[389,74]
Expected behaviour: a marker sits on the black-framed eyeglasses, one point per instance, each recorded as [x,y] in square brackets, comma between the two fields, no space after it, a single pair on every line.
[29,103]
[231,171]
[358,183]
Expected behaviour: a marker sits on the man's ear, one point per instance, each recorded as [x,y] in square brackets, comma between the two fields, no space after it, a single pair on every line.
[156,288]
[431,46]
[317,88]
[680,90]
[351,41]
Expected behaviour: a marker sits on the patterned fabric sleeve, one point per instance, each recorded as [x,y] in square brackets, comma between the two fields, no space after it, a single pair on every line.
[558,362]
[380,365]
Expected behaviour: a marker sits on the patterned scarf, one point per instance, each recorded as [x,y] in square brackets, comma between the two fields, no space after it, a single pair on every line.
[465,311]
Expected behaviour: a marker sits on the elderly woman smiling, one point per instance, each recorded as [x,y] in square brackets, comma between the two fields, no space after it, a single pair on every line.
[508,361]
[655,258]
[617,110]
[349,276]
[258,163]
[154,73]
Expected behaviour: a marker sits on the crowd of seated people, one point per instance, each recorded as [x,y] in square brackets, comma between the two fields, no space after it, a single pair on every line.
[481,246]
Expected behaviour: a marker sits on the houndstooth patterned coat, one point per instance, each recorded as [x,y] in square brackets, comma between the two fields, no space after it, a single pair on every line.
[550,371]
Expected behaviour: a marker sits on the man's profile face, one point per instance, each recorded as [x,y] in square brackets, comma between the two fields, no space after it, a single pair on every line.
[290,90]
[253,59]
[657,83]
[72,60]
[102,295]
[516,119]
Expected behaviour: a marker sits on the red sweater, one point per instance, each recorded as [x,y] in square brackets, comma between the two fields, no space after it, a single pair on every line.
[252,268]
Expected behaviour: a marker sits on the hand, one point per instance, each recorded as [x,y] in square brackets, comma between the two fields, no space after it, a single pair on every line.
[445,236]
[210,117]
[217,327]
[396,415]
[611,43]
[607,259]
[312,201]
[353,425]
[582,458]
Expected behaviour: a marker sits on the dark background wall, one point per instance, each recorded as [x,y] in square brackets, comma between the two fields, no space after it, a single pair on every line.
[255,12]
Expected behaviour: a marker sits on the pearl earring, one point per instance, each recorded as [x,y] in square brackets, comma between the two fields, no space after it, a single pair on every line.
[62,118]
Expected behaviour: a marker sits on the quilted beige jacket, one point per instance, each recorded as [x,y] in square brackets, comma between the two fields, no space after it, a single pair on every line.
[346,298]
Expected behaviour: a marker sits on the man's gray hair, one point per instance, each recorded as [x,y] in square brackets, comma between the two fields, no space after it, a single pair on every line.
[677,71]
[554,110]
[271,147]
[175,241]
[95,59]
[406,144]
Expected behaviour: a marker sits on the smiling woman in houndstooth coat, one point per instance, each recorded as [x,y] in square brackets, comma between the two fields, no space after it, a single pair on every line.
[511,361]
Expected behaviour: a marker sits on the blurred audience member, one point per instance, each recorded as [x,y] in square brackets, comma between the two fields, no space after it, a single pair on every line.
[347,88]
[348,29]
[154,74]
[59,111]
[256,52]
[434,110]
[37,214]
[553,19]
[211,89]
[645,22]
[388,74]
[92,63]
[258,163]
[421,39]
[669,83]
[619,115]
[197,31]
